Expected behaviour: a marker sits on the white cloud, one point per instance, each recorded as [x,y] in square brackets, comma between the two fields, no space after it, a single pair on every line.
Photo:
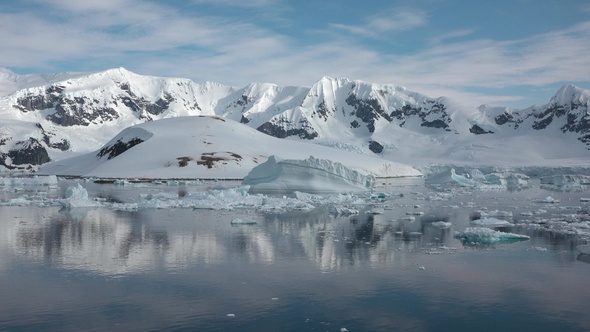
[393,20]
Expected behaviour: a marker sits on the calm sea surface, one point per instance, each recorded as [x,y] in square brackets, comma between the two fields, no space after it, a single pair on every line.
[95,269]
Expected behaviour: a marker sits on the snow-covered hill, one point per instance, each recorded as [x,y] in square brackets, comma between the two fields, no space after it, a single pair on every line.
[51,117]
[205,147]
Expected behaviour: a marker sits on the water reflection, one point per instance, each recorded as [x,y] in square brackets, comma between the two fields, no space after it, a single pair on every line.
[189,268]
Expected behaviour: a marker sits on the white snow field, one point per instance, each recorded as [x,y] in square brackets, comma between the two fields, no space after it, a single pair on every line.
[206,147]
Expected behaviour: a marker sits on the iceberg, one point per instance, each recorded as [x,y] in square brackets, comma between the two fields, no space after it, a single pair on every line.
[307,175]
[485,236]
[77,196]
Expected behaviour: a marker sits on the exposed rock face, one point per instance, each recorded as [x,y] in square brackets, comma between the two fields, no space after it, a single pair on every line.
[28,152]
[76,111]
[432,114]
[477,130]
[113,150]
[282,128]
[367,110]
[375,146]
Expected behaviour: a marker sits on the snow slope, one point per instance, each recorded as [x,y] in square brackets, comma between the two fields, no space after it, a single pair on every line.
[205,147]
[75,113]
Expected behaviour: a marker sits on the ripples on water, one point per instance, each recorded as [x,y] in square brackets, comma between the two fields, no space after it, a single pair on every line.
[186,269]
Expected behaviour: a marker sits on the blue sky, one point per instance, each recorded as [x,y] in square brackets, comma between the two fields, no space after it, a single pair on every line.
[513,53]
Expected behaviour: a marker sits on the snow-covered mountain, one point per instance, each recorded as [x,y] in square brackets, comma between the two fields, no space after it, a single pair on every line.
[205,147]
[50,117]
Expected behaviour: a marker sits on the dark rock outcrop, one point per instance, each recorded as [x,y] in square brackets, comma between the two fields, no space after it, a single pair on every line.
[28,152]
[118,148]
[375,146]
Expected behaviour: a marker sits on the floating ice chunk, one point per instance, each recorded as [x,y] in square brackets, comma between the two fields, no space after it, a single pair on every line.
[240,221]
[375,211]
[441,224]
[308,175]
[549,200]
[415,213]
[77,196]
[490,222]
[344,211]
[486,236]
[496,214]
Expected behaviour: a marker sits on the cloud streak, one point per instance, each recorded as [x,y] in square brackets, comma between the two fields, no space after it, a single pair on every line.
[393,20]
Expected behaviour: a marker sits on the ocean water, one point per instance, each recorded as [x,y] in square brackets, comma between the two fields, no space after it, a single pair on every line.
[99,269]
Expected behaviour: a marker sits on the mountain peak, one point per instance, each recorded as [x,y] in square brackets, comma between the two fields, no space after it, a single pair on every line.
[569,93]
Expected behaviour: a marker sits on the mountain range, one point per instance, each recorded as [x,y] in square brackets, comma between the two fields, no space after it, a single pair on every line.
[51,117]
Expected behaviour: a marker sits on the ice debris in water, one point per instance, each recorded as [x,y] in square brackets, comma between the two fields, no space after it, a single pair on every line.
[566,181]
[441,224]
[49,180]
[490,222]
[487,236]
[549,200]
[496,214]
[476,178]
[311,174]
[240,221]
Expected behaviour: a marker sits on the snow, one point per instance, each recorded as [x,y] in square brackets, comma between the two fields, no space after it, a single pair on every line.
[404,138]
[311,174]
[203,147]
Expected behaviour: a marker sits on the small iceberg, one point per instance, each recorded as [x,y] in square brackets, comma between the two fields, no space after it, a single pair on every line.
[486,236]
[441,224]
[490,222]
[77,196]
[240,221]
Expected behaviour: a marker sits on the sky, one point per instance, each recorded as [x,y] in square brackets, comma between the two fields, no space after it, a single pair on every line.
[503,52]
